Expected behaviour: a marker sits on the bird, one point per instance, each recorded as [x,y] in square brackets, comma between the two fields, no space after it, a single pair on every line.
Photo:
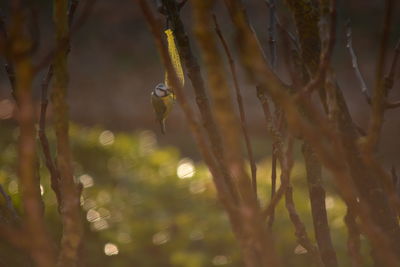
[162,99]
[162,96]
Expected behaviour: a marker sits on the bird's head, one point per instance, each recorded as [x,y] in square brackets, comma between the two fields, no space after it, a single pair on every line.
[161,90]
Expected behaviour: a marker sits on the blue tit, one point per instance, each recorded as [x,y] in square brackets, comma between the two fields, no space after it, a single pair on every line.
[162,99]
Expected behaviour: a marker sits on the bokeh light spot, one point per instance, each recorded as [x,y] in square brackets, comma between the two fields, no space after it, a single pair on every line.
[106,138]
[86,180]
[111,249]
[185,168]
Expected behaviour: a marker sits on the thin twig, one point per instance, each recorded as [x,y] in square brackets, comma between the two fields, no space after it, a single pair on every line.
[74,23]
[389,79]
[301,232]
[10,205]
[313,129]
[223,190]
[354,63]
[379,93]
[194,72]
[272,32]
[282,28]
[8,66]
[239,100]
[318,206]
[273,183]
[326,55]
[50,164]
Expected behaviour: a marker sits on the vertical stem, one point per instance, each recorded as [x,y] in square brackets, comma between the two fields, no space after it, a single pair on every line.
[41,249]
[318,208]
[70,192]
[253,166]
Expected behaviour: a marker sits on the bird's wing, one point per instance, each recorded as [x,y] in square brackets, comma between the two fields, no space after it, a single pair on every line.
[159,107]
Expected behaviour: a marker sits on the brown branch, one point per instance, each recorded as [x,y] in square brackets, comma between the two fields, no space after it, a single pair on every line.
[74,23]
[50,164]
[314,129]
[44,142]
[389,79]
[196,129]
[256,243]
[379,93]
[70,191]
[272,31]
[41,249]
[301,232]
[8,66]
[10,206]
[282,27]
[15,236]
[353,241]
[318,207]
[273,183]
[325,58]
[193,71]
[239,100]
[354,63]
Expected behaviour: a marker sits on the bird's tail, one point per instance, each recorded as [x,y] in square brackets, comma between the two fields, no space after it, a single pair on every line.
[162,126]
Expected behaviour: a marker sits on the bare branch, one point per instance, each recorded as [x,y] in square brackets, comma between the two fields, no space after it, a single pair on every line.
[353,241]
[325,58]
[195,76]
[50,164]
[318,206]
[10,205]
[379,93]
[272,32]
[354,63]
[301,232]
[273,183]
[239,100]
[224,193]
[70,192]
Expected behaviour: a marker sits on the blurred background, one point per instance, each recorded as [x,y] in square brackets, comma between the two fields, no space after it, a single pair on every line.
[148,199]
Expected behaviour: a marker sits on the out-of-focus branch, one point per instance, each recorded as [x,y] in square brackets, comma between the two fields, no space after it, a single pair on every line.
[239,100]
[50,164]
[258,71]
[223,190]
[10,206]
[70,192]
[363,173]
[41,248]
[318,207]
[4,45]
[301,232]
[354,63]
[286,162]
[193,70]
[379,92]
[74,23]
[255,242]
[389,79]
[325,58]
[273,184]
[272,31]
[353,241]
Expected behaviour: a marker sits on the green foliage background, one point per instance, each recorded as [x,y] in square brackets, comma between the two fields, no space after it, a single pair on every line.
[134,199]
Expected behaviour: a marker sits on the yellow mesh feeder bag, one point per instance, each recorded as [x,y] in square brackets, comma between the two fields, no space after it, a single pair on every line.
[175,59]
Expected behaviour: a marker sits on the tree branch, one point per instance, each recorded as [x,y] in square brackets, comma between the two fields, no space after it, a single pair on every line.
[239,100]
[354,63]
